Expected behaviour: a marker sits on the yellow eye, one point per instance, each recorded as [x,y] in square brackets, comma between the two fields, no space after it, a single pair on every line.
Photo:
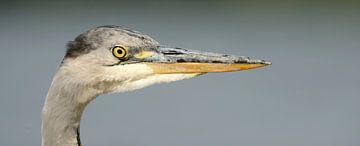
[119,52]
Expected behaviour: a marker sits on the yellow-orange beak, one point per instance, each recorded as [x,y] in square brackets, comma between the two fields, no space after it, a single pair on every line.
[183,61]
[183,68]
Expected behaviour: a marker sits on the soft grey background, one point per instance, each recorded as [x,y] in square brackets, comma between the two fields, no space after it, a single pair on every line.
[308,97]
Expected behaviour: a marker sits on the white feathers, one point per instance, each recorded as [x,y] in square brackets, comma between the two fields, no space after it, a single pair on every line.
[78,82]
[118,78]
[150,80]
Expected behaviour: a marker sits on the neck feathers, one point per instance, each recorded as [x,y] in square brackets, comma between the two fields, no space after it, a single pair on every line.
[62,112]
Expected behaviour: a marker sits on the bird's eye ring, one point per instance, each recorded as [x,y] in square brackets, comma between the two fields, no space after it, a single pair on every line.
[119,52]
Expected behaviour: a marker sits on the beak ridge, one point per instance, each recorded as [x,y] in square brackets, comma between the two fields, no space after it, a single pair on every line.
[164,60]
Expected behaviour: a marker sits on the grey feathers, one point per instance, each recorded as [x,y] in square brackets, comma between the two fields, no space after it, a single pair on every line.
[79,46]
[105,36]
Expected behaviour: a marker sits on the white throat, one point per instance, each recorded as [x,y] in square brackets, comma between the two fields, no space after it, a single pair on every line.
[67,99]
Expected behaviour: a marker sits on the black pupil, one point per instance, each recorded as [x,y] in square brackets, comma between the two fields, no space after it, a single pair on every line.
[119,51]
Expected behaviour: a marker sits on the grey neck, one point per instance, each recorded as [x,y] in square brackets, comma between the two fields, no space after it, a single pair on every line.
[62,113]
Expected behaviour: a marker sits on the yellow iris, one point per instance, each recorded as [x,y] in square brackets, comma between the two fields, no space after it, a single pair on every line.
[119,52]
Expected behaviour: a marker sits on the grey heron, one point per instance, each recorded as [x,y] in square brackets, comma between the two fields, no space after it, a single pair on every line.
[109,59]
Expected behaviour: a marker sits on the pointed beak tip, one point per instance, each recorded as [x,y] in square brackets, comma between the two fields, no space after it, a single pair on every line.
[260,62]
[267,62]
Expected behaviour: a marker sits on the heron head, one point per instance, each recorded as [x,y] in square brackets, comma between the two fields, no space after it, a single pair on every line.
[115,59]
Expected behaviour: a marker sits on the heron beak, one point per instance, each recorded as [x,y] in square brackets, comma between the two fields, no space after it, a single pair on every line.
[164,60]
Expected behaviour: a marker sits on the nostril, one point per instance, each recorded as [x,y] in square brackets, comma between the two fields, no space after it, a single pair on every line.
[171,52]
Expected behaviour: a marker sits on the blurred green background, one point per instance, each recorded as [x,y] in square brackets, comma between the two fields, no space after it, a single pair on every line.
[308,97]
